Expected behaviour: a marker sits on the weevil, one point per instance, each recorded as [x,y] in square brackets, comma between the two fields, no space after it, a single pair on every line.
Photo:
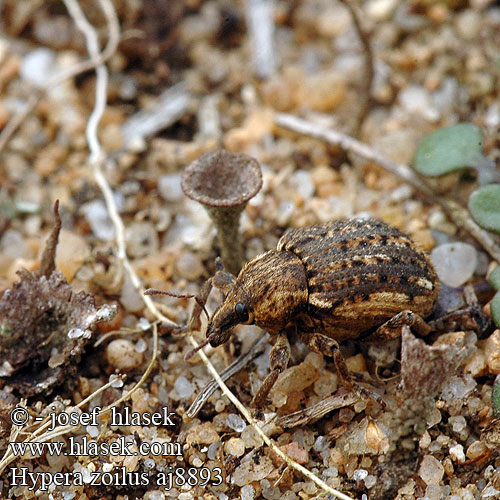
[358,279]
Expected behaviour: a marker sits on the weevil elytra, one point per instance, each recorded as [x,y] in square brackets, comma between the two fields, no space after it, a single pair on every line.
[358,279]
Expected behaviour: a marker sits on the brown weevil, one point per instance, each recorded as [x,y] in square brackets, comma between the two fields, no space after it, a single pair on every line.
[358,279]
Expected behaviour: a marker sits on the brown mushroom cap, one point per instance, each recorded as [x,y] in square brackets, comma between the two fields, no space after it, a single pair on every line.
[222,179]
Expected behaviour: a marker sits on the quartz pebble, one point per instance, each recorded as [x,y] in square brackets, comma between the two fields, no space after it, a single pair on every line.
[38,66]
[454,262]
[247,492]
[492,352]
[235,422]
[183,387]
[122,355]
[169,187]
[234,446]
[431,470]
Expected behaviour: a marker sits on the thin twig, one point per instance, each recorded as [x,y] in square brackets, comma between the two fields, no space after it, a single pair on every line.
[246,358]
[458,214]
[260,23]
[236,402]
[365,95]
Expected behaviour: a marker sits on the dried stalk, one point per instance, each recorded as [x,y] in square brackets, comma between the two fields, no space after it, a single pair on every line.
[243,360]
[365,95]
[458,214]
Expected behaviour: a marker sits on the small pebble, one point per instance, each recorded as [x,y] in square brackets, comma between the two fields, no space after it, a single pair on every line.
[235,422]
[457,453]
[492,352]
[169,187]
[476,450]
[38,66]
[141,239]
[235,446]
[183,387]
[97,216]
[189,266]
[431,470]
[295,452]
[247,492]
[454,262]
[121,354]
[202,434]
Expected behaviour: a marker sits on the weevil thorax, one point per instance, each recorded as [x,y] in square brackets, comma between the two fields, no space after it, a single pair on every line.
[269,291]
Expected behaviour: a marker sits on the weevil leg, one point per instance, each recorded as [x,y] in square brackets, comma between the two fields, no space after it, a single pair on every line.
[327,346]
[391,329]
[279,357]
[194,322]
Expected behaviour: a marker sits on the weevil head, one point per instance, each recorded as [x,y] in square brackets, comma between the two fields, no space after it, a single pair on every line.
[268,292]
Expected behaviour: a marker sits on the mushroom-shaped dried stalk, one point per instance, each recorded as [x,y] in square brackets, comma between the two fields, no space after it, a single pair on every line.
[223,182]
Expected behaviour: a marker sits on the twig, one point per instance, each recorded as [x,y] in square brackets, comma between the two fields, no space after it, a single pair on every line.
[97,156]
[60,77]
[301,417]
[236,402]
[260,22]
[367,82]
[458,214]
[163,112]
[256,349]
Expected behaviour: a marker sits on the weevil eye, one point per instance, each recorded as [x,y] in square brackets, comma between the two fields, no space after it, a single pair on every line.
[242,312]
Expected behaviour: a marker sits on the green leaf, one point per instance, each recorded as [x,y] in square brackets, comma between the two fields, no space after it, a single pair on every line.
[494,278]
[484,205]
[449,149]
[495,397]
[495,309]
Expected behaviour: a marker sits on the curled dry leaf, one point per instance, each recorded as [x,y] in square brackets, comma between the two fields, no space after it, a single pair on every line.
[426,368]
[44,326]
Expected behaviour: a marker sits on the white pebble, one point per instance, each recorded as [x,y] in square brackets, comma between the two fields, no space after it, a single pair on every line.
[154,495]
[247,492]
[141,346]
[457,453]
[38,66]
[359,474]
[169,187]
[431,470]
[417,100]
[183,387]
[454,262]
[121,354]
[235,422]
[93,430]
[302,183]
[97,216]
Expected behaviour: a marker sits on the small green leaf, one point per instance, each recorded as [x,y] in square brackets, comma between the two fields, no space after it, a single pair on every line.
[484,205]
[495,309]
[494,278]
[495,397]
[449,149]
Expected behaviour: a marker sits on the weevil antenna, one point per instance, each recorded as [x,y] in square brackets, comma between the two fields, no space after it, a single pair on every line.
[154,291]
[192,352]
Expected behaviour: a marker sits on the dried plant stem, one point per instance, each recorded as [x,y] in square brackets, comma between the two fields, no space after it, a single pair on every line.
[246,358]
[458,214]
[236,402]
[365,96]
